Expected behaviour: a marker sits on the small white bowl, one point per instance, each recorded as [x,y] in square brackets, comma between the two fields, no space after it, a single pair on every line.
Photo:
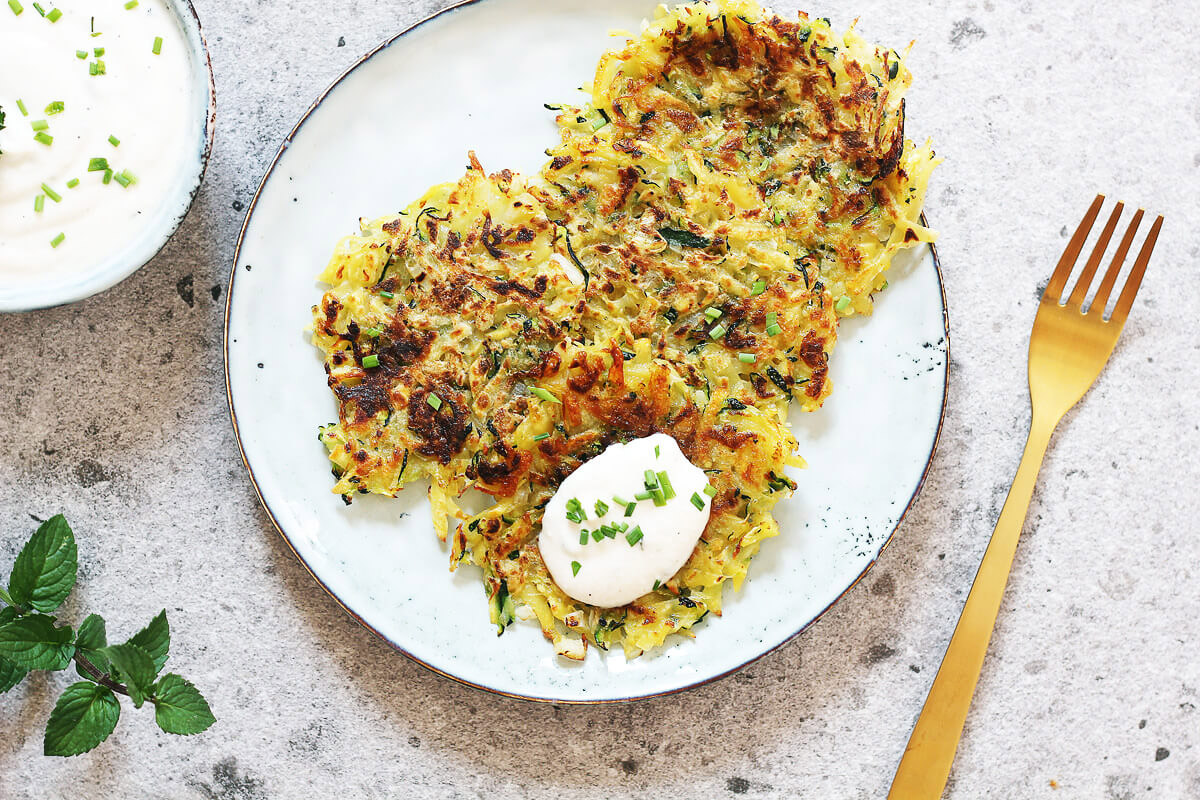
[112,268]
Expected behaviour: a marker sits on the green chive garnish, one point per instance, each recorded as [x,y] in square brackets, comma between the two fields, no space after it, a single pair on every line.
[651,479]
[387,295]
[44,138]
[634,536]
[81,55]
[99,51]
[434,401]
[39,203]
[372,332]
[717,332]
[583,536]
[656,451]
[131,5]
[774,330]
[538,391]
[71,184]
[747,358]
[541,436]
[657,584]
[575,565]
[57,240]
[610,531]
[842,304]
[114,141]
[601,508]
[597,534]
[658,497]
[24,110]
[16,7]
[643,496]
[38,8]
[369,362]
[710,490]
[39,125]
[697,501]
[629,507]
[123,177]
[108,176]
[621,501]
[53,195]
[758,288]
[772,317]
[55,15]
[157,49]
[665,483]
[712,314]
[93,69]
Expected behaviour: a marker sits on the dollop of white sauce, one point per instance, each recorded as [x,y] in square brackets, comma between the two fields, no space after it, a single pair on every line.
[612,572]
[143,99]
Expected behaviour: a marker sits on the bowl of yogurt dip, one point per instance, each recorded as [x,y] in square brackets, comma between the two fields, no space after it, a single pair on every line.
[108,110]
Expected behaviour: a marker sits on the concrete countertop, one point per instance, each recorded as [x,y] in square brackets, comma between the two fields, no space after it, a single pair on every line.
[113,411]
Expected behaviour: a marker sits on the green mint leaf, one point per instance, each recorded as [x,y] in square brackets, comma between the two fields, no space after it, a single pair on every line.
[8,615]
[33,642]
[5,596]
[155,639]
[179,707]
[44,572]
[89,642]
[83,717]
[135,667]
[10,675]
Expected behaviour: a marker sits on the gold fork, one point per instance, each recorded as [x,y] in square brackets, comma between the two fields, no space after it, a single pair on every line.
[1067,350]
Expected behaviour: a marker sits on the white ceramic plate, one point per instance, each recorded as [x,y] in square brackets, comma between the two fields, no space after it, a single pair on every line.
[403,119]
[112,268]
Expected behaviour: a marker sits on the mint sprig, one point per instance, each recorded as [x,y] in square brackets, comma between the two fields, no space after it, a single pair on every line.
[30,638]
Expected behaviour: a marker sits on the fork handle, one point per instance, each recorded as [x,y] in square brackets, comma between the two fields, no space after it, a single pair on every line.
[925,767]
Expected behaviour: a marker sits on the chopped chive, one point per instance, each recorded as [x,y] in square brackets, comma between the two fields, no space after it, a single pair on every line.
[157,49]
[132,4]
[57,240]
[601,508]
[39,125]
[597,534]
[99,51]
[39,203]
[842,304]
[621,501]
[575,565]
[93,69]
[656,585]
[656,451]
[747,358]
[108,176]
[712,314]
[717,332]
[643,496]
[369,362]
[778,218]
[634,536]
[71,184]
[81,54]
[758,288]
[651,479]
[665,483]
[610,532]
[38,8]
[54,15]
[123,177]
[573,517]
[53,195]
[772,317]
[387,295]
[710,490]
[434,401]
[697,501]
[774,330]
[372,332]
[629,507]
[583,536]
[16,7]
[100,68]
[538,391]
[114,141]
[44,138]
[541,436]
[658,497]
[621,526]
[24,110]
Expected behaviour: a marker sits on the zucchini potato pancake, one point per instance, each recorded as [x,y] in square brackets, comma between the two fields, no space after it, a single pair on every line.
[736,184]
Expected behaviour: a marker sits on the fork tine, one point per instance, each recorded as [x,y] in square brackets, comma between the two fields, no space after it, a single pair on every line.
[1114,268]
[1059,279]
[1089,270]
[1125,301]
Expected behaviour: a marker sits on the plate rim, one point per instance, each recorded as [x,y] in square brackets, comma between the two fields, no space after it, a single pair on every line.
[287,140]
[185,10]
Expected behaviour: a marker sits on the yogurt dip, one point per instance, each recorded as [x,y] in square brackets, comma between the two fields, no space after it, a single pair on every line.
[605,545]
[93,91]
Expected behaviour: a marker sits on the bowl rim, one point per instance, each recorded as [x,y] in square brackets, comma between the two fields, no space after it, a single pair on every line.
[99,282]
[387,42]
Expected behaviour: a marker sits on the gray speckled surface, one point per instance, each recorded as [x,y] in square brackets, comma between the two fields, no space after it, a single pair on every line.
[113,411]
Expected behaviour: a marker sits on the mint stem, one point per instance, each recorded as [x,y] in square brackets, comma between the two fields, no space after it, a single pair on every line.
[99,677]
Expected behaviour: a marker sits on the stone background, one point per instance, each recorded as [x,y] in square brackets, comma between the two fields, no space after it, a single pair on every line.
[113,411]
